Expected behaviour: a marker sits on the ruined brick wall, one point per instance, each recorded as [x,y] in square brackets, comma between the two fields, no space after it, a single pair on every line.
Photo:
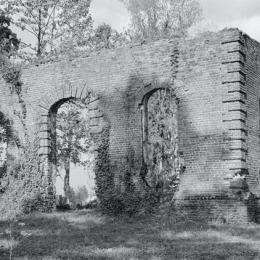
[212,113]
[212,78]
[252,89]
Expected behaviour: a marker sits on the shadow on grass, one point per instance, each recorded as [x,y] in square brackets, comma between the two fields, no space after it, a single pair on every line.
[89,235]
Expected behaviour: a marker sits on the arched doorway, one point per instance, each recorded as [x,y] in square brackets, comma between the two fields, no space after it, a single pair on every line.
[73,128]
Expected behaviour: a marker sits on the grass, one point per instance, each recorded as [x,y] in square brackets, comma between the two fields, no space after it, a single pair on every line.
[89,235]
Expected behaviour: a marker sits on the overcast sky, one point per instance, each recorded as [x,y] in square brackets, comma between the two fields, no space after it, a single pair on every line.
[244,14]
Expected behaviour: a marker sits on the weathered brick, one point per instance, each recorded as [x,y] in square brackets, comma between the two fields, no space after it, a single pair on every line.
[216,79]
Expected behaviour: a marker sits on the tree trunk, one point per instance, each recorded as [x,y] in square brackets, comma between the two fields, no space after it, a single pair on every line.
[67,178]
[67,168]
[39,36]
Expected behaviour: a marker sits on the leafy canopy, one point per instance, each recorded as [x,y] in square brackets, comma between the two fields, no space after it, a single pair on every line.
[51,23]
[73,135]
[8,40]
[154,19]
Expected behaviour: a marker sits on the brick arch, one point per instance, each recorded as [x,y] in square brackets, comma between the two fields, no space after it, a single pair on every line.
[66,91]
[48,106]
[150,88]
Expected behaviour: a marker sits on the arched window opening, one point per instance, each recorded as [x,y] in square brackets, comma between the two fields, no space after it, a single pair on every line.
[160,141]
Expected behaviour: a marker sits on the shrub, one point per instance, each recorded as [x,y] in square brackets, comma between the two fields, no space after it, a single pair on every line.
[22,184]
[104,176]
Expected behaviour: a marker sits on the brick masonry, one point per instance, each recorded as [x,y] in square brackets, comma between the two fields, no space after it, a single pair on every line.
[216,78]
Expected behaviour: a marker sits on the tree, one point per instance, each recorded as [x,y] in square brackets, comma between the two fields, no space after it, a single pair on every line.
[73,139]
[21,181]
[75,26]
[9,43]
[154,19]
[106,38]
[50,22]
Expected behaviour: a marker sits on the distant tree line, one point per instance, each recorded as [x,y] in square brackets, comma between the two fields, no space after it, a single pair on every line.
[59,28]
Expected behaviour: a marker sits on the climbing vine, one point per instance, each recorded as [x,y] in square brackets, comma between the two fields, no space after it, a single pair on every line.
[103,176]
[12,76]
[21,182]
[161,143]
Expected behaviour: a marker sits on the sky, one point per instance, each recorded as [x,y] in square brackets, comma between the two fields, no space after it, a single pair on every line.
[218,14]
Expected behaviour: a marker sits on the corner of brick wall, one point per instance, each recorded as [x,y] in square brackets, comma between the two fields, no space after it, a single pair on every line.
[234,101]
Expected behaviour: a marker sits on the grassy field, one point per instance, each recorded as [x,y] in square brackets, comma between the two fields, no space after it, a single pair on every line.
[89,235]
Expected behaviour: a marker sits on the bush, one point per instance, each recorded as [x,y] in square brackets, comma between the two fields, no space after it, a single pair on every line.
[92,204]
[130,203]
[17,200]
[22,185]
[114,202]
[32,202]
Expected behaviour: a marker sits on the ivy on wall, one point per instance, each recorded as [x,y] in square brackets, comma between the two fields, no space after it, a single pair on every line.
[103,176]
[21,182]
[160,145]
[12,76]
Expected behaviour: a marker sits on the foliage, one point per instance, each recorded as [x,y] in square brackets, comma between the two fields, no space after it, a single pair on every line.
[131,201]
[161,143]
[75,27]
[51,23]
[9,43]
[73,134]
[154,19]
[5,128]
[160,154]
[11,73]
[5,135]
[22,181]
[22,184]
[106,38]
[103,176]
[72,139]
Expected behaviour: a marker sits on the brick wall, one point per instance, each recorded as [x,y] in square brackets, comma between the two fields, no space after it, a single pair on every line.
[252,70]
[215,77]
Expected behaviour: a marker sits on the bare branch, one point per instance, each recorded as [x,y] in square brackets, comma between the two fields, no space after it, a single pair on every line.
[47,23]
[24,28]
[28,45]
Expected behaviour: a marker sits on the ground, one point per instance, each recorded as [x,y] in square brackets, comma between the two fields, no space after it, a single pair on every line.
[87,234]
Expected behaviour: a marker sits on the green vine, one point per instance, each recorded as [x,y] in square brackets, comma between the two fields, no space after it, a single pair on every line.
[23,178]
[12,76]
[103,175]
